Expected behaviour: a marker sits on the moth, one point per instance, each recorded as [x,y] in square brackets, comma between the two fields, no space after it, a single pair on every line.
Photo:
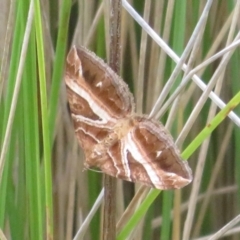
[121,143]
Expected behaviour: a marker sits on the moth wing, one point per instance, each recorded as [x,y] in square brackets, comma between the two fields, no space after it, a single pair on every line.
[92,79]
[96,95]
[150,145]
[148,155]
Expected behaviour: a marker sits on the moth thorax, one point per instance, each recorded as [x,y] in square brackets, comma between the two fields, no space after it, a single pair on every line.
[123,127]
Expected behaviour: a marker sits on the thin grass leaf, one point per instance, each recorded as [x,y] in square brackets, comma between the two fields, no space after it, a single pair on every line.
[45,125]
[59,63]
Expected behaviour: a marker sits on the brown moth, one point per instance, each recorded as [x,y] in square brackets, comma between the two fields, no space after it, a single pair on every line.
[116,140]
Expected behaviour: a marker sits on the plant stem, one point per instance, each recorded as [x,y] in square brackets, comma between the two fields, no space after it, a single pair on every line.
[109,217]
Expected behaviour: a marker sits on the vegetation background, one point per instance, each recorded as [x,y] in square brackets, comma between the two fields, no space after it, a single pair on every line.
[44,192]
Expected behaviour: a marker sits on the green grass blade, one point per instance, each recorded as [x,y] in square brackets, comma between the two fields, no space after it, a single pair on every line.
[45,124]
[211,126]
[18,33]
[178,46]
[31,144]
[140,212]
[59,63]
[166,214]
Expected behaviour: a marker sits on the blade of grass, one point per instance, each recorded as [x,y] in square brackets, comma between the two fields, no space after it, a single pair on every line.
[211,126]
[45,123]
[2,236]
[18,220]
[140,212]
[15,93]
[6,105]
[31,144]
[142,58]
[8,38]
[178,46]
[58,64]
[220,233]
